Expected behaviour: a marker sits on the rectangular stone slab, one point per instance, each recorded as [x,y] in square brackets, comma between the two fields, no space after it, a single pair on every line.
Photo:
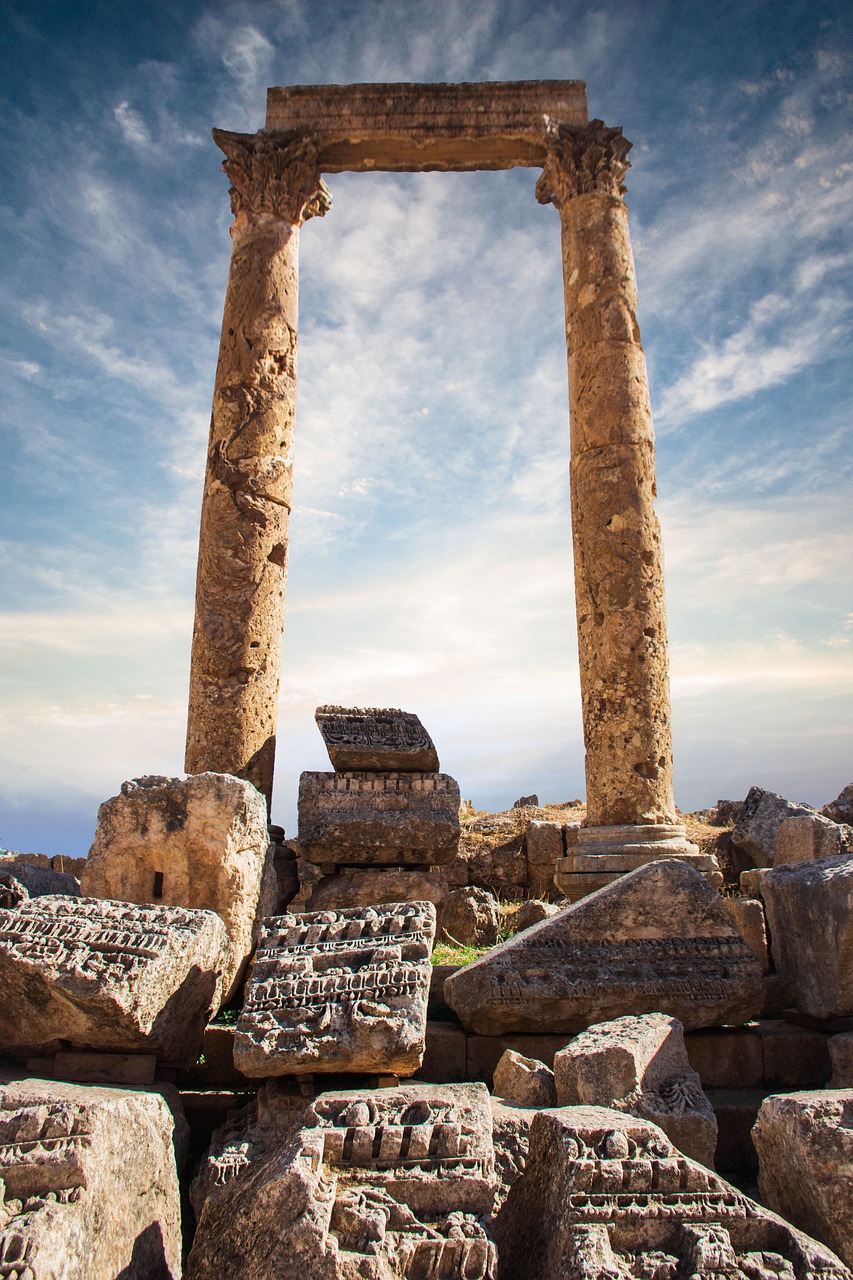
[338,991]
[392,819]
[658,940]
[413,127]
[84,973]
[375,738]
[91,1187]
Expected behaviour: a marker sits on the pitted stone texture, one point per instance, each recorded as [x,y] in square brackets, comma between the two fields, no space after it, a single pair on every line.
[543,843]
[809,909]
[621,613]
[197,842]
[530,913]
[748,915]
[391,1184]
[470,917]
[805,1163]
[841,1055]
[810,838]
[376,739]
[841,808]
[524,1081]
[397,819]
[338,991]
[759,819]
[607,1195]
[375,885]
[640,1065]
[38,880]
[658,940]
[83,973]
[72,1204]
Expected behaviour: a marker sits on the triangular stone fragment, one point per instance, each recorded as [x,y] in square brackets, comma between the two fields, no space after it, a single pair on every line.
[659,940]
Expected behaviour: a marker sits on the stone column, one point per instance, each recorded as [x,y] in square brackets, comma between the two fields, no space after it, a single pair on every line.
[621,616]
[242,561]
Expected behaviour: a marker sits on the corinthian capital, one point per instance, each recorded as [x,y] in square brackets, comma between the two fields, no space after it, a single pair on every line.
[273,175]
[581,161]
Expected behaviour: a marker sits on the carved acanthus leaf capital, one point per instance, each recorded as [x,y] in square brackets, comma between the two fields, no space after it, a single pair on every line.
[273,175]
[592,159]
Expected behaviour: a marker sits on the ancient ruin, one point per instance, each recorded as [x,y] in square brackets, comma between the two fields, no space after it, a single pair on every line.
[280,1042]
[338,990]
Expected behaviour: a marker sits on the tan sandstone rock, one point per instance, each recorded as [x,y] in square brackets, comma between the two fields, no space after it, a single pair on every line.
[805,1163]
[374,885]
[524,1081]
[338,991]
[657,940]
[73,1205]
[640,1065]
[810,838]
[607,1195]
[748,915]
[83,973]
[470,917]
[195,842]
[392,1184]
[401,819]
[758,821]
[374,738]
[809,909]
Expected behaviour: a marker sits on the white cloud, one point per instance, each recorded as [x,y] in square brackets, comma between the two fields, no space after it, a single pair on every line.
[133,128]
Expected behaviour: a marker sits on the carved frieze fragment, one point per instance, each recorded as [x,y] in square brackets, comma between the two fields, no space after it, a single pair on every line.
[658,940]
[395,819]
[387,1185]
[604,1194]
[338,991]
[84,973]
[376,738]
[71,1202]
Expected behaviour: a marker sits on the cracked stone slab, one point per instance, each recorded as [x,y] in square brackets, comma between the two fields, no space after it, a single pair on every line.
[376,738]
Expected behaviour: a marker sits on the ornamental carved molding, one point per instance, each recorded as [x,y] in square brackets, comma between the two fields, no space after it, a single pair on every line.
[590,160]
[272,175]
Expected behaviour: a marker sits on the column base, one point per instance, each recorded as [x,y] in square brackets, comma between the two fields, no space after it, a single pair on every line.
[603,854]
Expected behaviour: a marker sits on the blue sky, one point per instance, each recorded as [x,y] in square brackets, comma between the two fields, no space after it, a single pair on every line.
[430,563]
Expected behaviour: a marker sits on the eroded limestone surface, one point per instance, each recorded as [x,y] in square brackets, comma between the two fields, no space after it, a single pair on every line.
[809,909]
[85,973]
[401,819]
[188,842]
[338,991]
[640,1065]
[607,1195]
[394,1184]
[656,941]
[374,738]
[72,1205]
[805,1152]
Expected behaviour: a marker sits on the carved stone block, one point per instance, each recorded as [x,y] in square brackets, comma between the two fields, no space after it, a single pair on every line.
[196,842]
[338,991]
[88,1184]
[809,909]
[83,973]
[657,940]
[395,1184]
[640,1065]
[397,819]
[805,1162]
[373,885]
[607,1195]
[374,738]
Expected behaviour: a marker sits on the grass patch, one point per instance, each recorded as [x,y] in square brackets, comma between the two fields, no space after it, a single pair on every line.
[455,953]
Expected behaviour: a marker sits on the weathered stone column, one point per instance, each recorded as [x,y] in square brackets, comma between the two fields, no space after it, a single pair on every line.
[239,615]
[621,616]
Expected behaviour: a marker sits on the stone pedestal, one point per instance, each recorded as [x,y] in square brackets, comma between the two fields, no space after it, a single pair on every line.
[621,615]
[239,618]
[603,854]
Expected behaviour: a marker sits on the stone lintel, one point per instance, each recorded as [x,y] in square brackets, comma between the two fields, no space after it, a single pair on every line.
[416,127]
